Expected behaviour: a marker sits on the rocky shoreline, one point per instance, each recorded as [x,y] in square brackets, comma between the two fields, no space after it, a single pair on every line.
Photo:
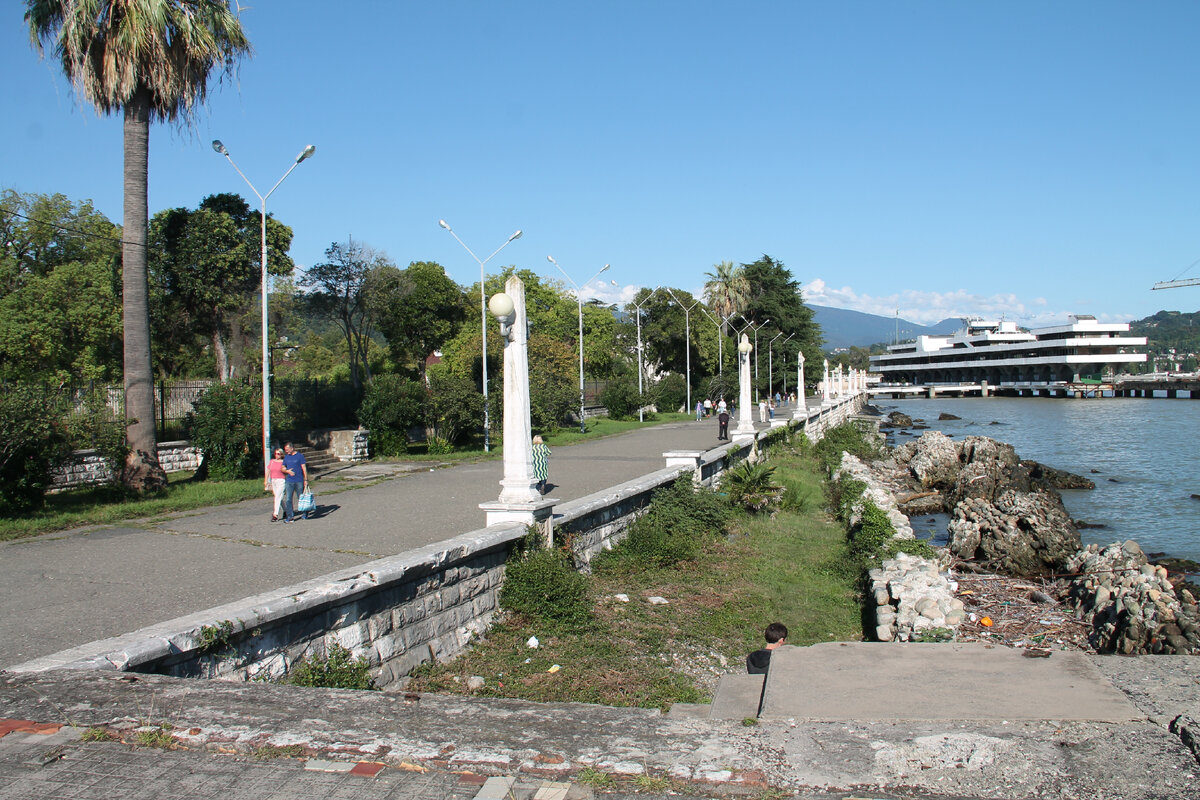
[1008,523]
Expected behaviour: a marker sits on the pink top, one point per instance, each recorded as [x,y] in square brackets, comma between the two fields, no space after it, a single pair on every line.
[275,469]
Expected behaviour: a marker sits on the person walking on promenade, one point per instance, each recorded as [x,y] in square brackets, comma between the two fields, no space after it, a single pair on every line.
[541,463]
[723,425]
[274,481]
[295,482]
[699,411]
[722,406]
[708,407]
[762,410]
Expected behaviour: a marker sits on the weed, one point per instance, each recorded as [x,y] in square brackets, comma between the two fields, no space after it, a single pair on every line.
[749,722]
[933,635]
[97,733]
[216,637]
[340,670]
[589,776]
[750,486]
[650,783]
[544,585]
[270,751]
[159,737]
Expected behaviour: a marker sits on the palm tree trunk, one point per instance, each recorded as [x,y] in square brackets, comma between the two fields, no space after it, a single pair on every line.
[142,472]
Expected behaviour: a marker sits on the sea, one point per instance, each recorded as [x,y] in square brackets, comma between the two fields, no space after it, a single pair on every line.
[1139,451]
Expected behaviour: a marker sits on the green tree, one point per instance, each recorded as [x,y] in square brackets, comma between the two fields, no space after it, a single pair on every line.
[776,295]
[418,309]
[726,291]
[60,316]
[340,283]
[150,59]
[206,273]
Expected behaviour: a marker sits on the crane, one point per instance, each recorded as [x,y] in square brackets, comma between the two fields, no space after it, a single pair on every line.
[1176,284]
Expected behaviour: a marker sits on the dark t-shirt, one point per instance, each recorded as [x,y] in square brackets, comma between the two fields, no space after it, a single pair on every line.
[758,662]
[723,418]
[294,462]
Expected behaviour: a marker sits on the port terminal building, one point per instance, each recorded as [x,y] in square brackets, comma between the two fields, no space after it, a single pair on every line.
[1003,357]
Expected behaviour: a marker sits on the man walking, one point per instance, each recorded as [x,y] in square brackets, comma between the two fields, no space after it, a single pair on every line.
[295,481]
[723,425]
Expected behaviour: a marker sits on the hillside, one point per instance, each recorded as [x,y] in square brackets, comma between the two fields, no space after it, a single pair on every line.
[844,328]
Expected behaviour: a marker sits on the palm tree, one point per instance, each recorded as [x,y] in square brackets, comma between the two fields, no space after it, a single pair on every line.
[727,291]
[151,59]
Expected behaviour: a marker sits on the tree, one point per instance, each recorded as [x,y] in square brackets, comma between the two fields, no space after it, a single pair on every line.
[341,295]
[776,296]
[60,317]
[152,60]
[726,291]
[206,270]
[418,309]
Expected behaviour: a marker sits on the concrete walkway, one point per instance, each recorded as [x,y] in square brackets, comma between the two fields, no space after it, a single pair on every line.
[66,589]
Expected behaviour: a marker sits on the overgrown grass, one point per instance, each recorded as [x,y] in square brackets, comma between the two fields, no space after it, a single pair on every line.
[101,505]
[793,568]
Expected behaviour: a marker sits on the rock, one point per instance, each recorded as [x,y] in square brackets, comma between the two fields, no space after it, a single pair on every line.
[936,461]
[898,419]
[944,416]
[475,683]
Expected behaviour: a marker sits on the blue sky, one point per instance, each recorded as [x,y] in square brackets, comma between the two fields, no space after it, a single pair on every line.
[1024,159]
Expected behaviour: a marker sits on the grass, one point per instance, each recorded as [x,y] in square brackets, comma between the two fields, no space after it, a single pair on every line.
[793,568]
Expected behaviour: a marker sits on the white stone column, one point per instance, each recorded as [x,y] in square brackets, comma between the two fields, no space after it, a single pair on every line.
[745,425]
[801,411]
[519,499]
[825,384]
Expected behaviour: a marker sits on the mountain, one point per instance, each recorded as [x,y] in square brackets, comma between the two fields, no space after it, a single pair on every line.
[842,327]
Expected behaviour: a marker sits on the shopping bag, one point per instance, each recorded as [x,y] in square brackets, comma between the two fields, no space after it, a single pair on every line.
[306,503]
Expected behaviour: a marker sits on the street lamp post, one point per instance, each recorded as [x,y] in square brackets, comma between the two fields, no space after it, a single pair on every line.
[687,341]
[262,206]
[638,306]
[579,299]
[483,322]
[756,327]
[771,365]
[785,341]
[720,338]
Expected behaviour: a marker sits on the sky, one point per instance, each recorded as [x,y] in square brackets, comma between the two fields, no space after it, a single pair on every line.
[1014,159]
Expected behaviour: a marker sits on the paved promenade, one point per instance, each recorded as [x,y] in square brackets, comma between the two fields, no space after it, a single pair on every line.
[66,589]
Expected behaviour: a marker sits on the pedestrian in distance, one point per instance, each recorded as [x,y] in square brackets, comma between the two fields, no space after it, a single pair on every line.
[295,482]
[723,425]
[759,661]
[541,463]
[762,410]
[708,407]
[699,411]
[275,480]
[722,406]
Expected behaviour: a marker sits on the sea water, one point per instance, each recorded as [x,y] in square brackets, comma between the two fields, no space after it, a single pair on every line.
[1141,453]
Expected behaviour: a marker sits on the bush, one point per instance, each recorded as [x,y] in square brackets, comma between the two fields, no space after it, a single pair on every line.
[620,397]
[33,440]
[751,486]
[226,424]
[97,427]
[849,438]
[454,411]
[544,585]
[676,524]
[391,405]
[340,670]
[670,393]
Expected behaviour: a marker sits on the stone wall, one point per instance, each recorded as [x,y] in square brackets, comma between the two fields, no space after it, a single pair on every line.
[88,468]
[397,612]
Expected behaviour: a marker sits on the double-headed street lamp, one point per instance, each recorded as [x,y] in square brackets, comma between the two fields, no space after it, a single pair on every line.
[262,206]
[638,306]
[720,337]
[687,341]
[579,299]
[483,321]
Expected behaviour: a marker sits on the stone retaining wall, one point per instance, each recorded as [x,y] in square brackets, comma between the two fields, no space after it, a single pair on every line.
[88,467]
[397,612]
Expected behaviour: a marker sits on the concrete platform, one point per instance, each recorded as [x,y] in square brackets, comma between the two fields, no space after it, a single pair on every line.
[858,681]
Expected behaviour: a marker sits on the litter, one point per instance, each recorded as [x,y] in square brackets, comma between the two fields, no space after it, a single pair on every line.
[533,642]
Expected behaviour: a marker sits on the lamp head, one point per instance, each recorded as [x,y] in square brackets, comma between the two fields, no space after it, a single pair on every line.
[306,153]
[516,235]
[551,260]
[442,222]
[744,345]
[501,306]
[220,148]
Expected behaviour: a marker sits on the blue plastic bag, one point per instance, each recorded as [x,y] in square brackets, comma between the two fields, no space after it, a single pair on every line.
[306,503]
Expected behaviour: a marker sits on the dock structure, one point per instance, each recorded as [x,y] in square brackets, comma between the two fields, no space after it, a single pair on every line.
[1159,386]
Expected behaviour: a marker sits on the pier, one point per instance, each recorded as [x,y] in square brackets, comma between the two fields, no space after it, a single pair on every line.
[1156,386]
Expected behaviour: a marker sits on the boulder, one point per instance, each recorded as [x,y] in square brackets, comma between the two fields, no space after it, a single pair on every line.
[898,419]
[944,416]
[1025,534]
[935,462]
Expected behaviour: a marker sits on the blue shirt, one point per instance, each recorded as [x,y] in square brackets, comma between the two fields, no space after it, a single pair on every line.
[294,462]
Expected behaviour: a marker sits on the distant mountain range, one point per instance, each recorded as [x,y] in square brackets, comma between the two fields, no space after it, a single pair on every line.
[844,328]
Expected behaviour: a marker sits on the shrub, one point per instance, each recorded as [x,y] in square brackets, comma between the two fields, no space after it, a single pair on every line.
[678,520]
[454,411]
[543,584]
[391,405]
[97,427]
[849,438]
[751,486]
[226,424]
[620,397]
[32,441]
[670,393]
[340,670]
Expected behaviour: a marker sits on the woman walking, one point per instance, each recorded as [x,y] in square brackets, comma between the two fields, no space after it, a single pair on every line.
[541,463]
[276,476]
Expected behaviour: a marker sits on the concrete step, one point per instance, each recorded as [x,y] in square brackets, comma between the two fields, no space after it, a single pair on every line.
[319,461]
